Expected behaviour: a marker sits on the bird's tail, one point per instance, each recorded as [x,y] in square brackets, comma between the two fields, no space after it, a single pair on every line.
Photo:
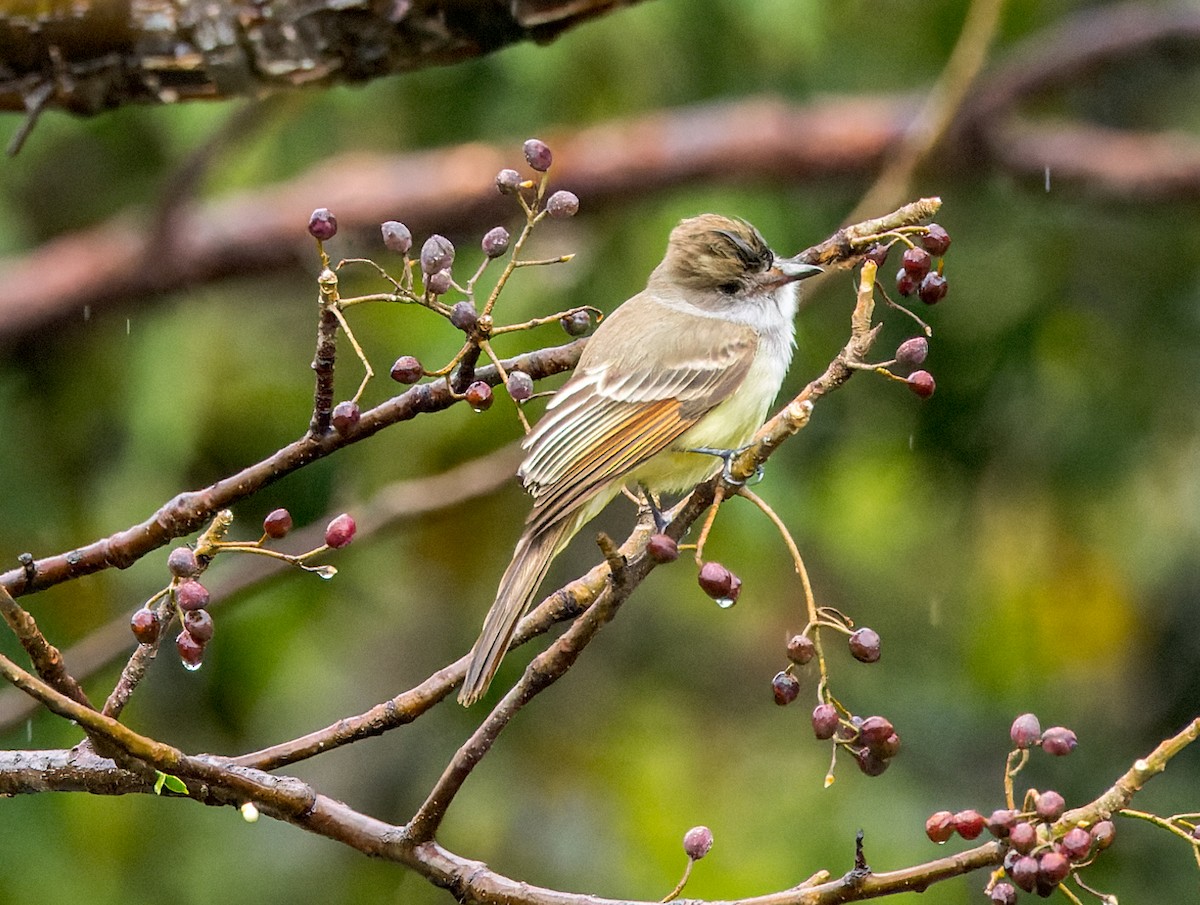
[531,560]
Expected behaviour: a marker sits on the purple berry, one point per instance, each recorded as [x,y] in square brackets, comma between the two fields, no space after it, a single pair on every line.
[933,288]
[495,242]
[870,762]
[1059,741]
[1023,837]
[345,416]
[719,583]
[825,721]
[181,563]
[538,155]
[508,182]
[479,396]
[464,316]
[520,386]
[340,531]
[662,548]
[865,645]
[145,626]
[921,383]
[322,225]
[191,595]
[875,730]
[396,237]
[800,649]
[1025,731]
[906,283]
[1103,834]
[912,352]
[562,205]
[785,687]
[191,651]
[1076,843]
[576,324]
[1053,868]
[1025,872]
[697,842]
[916,261]
[407,369]
[1003,894]
[198,624]
[277,523]
[877,253]
[936,240]
[438,283]
[436,254]
[1001,823]
[1050,805]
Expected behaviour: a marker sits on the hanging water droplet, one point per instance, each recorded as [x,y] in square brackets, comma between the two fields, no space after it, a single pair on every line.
[326,572]
[726,602]
[192,667]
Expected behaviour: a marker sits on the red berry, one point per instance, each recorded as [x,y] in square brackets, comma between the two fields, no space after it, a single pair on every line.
[1025,872]
[340,531]
[1050,805]
[921,383]
[144,624]
[1001,823]
[869,762]
[182,563]
[407,369]
[1053,868]
[1103,834]
[875,730]
[277,523]
[191,651]
[906,283]
[786,688]
[396,237]
[912,352]
[824,721]
[933,288]
[1025,731]
[191,595]
[865,645]
[936,240]
[800,649]
[697,842]
[719,583]
[877,253]
[940,826]
[537,155]
[916,261]
[322,224]
[1059,741]
[1023,837]
[198,624]
[968,824]
[889,747]
[662,548]
[479,396]
[345,416]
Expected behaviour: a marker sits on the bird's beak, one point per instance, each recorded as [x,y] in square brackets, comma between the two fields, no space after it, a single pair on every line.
[789,270]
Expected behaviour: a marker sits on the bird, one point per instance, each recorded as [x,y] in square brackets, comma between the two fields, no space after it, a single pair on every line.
[686,368]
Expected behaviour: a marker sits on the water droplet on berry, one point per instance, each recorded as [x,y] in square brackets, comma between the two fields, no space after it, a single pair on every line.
[726,602]
[192,667]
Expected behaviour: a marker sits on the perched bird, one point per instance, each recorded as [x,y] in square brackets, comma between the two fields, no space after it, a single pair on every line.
[693,361]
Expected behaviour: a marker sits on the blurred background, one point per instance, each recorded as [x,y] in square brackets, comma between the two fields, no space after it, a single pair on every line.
[1026,539]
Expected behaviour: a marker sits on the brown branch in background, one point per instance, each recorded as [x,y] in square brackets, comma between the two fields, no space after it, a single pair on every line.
[188,512]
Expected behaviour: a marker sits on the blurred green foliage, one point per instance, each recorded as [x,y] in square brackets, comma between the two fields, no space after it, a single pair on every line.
[1026,539]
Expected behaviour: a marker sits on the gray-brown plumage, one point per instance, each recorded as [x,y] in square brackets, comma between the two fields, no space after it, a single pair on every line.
[694,360]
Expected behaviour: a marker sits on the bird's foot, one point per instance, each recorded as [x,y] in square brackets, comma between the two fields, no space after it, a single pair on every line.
[727,456]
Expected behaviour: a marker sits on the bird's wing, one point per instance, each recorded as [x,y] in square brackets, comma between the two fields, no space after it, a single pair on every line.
[614,415]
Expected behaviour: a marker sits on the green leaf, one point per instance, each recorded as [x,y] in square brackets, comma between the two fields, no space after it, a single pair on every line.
[173,783]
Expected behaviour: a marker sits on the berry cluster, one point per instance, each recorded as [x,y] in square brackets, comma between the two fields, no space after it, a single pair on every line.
[1039,854]
[187,598]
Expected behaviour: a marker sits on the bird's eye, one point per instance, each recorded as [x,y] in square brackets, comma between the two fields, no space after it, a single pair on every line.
[730,288]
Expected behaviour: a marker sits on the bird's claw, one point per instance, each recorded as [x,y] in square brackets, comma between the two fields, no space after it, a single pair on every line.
[727,456]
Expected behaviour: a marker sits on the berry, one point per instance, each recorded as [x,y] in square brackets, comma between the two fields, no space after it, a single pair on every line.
[1023,837]
[786,688]
[191,595]
[1003,894]
[562,205]
[191,651]
[968,824]
[1103,834]
[520,386]
[340,531]
[718,582]
[1001,823]
[182,563]
[933,288]
[479,396]
[1076,843]
[697,842]
[144,624]
[877,253]
[662,548]
[864,645]
[940,826]
[344,416]
[889,747]
[198,624]
[800,649]
[936,240]
[508,182]
[875,730]
[1050,805]
[576,324]
[1025,731]
[869,762]
[538,155]
[1059,741]
[912,352]
[1025,872]
[396,237]
[322,225]
[464,316]
[436,254]
[825,721]
[1053,868]
[906,283]
[921,383]
[495,242]
[277,523]
[916,261]
[438,283]
[407,369]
